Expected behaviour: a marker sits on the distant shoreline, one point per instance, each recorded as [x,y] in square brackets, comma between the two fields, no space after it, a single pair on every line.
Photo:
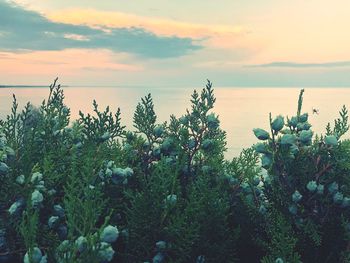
[177,87]
[28,86]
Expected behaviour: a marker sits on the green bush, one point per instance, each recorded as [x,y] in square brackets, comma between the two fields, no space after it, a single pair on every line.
[88,190]
[306,190]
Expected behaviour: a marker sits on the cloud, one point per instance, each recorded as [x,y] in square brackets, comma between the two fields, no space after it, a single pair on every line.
[303,65]
[23,29]
[159,26]
[210,35]
[41,66]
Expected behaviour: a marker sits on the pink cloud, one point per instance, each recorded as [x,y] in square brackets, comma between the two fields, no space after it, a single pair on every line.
[69,62]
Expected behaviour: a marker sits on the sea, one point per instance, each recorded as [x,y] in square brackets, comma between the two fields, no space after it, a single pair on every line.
[240,109]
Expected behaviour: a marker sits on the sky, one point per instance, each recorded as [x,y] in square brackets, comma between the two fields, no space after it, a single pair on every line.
[239,43]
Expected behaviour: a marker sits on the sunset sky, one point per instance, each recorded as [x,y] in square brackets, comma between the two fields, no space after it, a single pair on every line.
[176,43]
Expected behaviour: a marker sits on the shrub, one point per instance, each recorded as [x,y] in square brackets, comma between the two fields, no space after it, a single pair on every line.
[307,187]
[88,190]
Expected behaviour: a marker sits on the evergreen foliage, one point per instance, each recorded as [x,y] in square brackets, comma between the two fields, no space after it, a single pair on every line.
[87,190]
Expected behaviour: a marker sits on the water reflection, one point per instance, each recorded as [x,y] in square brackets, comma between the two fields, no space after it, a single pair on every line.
[240,109]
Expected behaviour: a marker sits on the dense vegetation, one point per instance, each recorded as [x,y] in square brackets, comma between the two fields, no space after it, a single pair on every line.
[87,190]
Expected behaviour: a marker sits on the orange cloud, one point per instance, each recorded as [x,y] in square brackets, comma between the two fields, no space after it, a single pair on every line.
[159,26]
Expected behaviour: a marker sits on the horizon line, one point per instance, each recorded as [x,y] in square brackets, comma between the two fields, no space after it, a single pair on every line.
[175,86]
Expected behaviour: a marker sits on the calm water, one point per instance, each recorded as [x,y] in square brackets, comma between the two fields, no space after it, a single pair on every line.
[240,109]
